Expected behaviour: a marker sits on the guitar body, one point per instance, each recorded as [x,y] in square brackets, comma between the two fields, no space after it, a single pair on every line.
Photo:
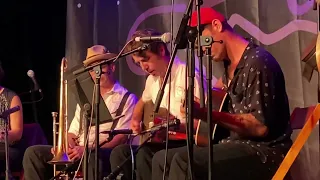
[218,98]
[150,119]
[201,134]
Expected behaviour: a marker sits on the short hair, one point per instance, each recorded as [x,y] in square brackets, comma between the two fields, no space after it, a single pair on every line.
[154,46]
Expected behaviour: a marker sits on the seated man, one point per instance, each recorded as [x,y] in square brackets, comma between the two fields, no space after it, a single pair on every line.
[9,99]
[258,111]
[36,157]
[155,62]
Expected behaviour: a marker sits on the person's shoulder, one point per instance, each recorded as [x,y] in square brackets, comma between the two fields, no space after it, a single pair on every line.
[260,58]
[9,92]
[122,90]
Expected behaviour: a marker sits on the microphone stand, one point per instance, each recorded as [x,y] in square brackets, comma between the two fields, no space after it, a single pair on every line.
[86,113]
[66,170]
[5,118]
[190,98]
[178,41]
[97,70]
[8,173]
[200,54]
[206,41]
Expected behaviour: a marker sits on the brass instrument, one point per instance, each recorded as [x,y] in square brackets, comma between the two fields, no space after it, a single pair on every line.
[61,157]
[55,133]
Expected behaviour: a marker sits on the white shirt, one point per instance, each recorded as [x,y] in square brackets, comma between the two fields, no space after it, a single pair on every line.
[177,92]
[112,100]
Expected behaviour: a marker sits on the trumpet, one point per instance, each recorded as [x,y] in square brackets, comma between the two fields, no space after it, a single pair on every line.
[61,157]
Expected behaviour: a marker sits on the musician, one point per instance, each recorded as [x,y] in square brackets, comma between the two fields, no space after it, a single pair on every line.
[154,61]
[258,111]
[36,157]
[9,99]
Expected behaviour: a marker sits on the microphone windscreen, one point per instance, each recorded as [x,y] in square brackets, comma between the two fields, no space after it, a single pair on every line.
[166,37]
[30,73]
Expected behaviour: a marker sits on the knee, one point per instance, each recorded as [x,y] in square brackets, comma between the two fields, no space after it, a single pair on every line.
[142,154]
[119,153]
[37,153]
[30,154]
[177,160]
[143,157]
[158,159]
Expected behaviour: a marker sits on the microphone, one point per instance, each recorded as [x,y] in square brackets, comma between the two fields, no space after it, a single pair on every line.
[118,131]
[31,74]
[174,122]
[155,128]
[166,38]
[6,113]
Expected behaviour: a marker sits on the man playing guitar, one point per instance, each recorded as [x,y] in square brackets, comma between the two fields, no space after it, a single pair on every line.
[154,61]
[258,111]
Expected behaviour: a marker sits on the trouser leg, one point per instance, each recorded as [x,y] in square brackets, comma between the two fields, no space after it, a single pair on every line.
[159,160]
[118,155]
[35,163]
[104,164]
[230,161]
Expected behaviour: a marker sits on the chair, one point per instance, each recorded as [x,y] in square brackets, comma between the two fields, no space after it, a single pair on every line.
[32,135]
[301,118]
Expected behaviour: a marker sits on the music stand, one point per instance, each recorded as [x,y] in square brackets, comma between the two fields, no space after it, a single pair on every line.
[82,87]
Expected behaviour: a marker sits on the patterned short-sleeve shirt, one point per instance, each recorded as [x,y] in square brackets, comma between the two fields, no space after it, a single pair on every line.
[258,87]
[5,101]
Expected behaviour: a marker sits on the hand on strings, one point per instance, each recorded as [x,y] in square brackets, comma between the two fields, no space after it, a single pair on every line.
[75,153]
[135,126]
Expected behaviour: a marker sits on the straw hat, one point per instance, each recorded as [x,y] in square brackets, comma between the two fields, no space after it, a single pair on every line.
[97,53]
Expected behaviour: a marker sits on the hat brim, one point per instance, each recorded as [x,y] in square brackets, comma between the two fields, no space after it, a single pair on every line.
[98,57]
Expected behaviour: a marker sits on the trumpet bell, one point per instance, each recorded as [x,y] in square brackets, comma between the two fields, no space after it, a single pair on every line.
[60,159]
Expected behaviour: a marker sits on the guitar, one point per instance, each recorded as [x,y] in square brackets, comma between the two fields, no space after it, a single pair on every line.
[150,119]
[201,138]
[201,133]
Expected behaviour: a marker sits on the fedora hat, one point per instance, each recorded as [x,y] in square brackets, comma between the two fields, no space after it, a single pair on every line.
[97,53]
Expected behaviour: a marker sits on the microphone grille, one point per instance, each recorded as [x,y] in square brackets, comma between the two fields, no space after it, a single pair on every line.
[30,73]
[166,37]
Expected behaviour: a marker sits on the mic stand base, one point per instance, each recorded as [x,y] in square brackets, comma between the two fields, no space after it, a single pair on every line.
[65,171]
[113,175]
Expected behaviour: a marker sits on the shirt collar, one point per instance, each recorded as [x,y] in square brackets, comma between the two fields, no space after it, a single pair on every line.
[117,88]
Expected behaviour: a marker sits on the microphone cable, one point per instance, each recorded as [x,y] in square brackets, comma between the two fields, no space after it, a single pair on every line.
[131,137]
[169,96]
